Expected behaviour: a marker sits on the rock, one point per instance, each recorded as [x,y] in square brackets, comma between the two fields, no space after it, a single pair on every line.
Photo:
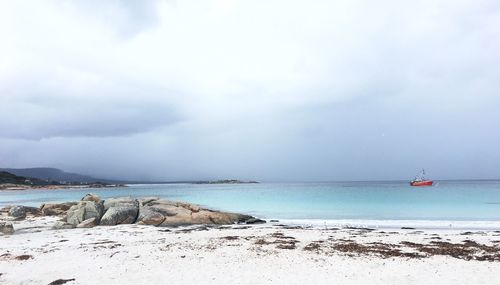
[91,197]
[153,219]
[113,202]
[191,207]
[89,223]
[251,221]
[147,216]
[84,210]
[92,211]
[202,217]
[168,213]
[5,209]
[6,228]
[62,225]
[56,209]
[19,212]
[147,200]
[121,214]
[120,211]
[169,208]
[61,281]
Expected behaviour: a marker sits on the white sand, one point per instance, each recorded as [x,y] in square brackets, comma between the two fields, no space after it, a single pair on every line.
[131,254]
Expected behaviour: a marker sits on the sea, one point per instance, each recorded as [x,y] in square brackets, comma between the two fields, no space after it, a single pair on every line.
[448,204]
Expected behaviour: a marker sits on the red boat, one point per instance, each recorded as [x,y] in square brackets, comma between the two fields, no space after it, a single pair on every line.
[421,181]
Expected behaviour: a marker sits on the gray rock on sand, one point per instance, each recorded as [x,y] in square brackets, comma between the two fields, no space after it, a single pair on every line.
[120,214]
[62,225]
[89,223]
[56,209]
[147,216]
[120,211]
[84,210]
[20,212]
[6,228]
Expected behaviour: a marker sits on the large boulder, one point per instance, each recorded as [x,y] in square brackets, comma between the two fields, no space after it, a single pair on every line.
[84,210]
[120,214]
[148,216]
[6,228]
[120,211]
[168,213]
[56,209]
[20,212]
[205,217]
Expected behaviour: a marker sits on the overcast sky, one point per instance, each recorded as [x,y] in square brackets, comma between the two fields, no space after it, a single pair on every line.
[265,90]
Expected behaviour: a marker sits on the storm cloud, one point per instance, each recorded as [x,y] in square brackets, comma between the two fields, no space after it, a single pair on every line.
[272,91]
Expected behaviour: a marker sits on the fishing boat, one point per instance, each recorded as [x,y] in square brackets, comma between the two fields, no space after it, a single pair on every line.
[421,181]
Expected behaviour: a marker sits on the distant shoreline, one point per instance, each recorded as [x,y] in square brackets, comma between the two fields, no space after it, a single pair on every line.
[226,181]
[21,187]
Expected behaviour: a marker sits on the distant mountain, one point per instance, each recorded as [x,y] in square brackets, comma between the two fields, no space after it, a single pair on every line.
[6,177]
[9,178]
[53,174]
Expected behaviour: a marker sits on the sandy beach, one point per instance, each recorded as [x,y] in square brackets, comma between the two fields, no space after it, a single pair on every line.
[249,142]
[270,253]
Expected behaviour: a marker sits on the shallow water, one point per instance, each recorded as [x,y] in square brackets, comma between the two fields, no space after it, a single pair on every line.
[447,200]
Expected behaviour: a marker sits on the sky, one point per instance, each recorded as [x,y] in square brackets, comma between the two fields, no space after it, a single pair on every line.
[276,90]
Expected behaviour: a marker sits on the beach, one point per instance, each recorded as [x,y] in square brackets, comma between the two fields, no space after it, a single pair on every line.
[249,142]
[149,240]
[271,253]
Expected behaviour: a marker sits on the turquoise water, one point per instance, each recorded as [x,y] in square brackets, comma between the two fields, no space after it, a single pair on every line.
[448,200]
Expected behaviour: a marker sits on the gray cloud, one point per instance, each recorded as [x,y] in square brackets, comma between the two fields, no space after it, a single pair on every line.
[289,91]
[34,109]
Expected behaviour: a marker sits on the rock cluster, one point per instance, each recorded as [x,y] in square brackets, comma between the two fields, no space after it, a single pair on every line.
[92,211]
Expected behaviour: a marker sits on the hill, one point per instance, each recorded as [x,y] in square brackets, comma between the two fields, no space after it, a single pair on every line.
[52,174]
[6,177]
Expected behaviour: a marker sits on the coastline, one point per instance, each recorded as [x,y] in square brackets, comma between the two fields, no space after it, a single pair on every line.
[4,187]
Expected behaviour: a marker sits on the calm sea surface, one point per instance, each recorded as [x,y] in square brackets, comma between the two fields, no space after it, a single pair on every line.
[447,200]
